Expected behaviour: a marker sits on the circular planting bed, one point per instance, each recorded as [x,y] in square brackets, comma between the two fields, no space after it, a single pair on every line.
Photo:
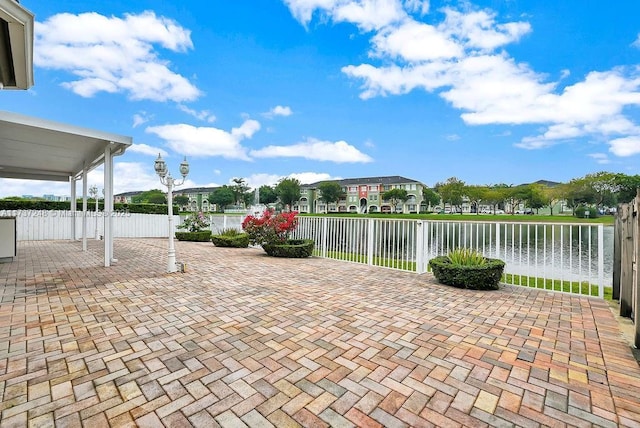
[484,277]
[296,248]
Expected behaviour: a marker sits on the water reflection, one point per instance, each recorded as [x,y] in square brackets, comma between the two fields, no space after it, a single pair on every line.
[558,251]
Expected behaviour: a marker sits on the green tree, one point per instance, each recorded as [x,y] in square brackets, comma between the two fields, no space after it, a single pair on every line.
[267,195]
[429,197]
[475,194]
[395,196]
[181,200]
[494,196]
[451,192]
[222,197]
[537,197]
[578,192]
[154,196]
[605,186]
[551,195]
[628,187]
[516,195]
[330,191]
[288,191]
[239,189]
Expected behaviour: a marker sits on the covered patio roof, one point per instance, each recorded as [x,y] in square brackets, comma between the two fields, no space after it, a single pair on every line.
[38,149]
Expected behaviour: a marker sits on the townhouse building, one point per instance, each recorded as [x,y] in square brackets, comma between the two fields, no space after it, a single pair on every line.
[125,198]
[363,195]
[198,198]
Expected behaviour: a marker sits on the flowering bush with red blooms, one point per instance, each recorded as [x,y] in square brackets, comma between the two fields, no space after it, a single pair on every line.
[271,228]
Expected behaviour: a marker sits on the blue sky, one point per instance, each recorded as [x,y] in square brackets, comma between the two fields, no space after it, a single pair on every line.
[492,91]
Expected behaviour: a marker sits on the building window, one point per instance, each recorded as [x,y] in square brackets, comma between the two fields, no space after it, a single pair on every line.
[353,188]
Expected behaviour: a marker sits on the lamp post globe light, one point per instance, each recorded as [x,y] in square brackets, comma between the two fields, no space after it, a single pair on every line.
[165,178]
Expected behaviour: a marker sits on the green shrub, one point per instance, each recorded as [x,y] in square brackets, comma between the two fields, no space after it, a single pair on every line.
[296,248]
[480,277]
[201,236]
[8,204]
[233,239]
[580,212]
[466,257]
[231,232]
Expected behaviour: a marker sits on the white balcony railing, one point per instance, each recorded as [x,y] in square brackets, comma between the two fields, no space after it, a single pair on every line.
[565,257]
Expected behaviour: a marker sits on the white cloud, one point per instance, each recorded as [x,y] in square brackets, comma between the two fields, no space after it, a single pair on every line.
[312,177]
[141,118]
[366,14]
[204,115]
[136,176]
[626,146]
[110,54]
[147,150]
[464,60]
[415,41]
[600,158]
[479,30]
[417,6]
[262,179]
[339,151]
[127,177]
[636,43]
[452,137]
[17,187]
[278,111]
[207,141]
[369,14]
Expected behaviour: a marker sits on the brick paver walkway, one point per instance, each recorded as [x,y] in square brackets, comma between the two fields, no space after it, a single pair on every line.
[242,339]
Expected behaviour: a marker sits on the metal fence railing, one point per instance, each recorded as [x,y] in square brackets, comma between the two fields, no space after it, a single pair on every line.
[567,257]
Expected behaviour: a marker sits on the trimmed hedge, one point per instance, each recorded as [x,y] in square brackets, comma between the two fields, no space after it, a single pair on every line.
[202,236]
[8,204]
[295,248]
[240,240]
[485,277]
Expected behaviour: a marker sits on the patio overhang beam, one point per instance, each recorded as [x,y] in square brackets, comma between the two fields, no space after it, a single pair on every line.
[16,46]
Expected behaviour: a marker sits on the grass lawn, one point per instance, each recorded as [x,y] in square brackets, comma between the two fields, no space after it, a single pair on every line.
[606,219]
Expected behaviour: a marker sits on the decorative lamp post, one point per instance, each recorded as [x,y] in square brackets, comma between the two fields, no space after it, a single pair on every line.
[165,178]
[93,191]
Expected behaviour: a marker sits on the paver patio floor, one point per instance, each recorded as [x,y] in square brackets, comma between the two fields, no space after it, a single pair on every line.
[242,339]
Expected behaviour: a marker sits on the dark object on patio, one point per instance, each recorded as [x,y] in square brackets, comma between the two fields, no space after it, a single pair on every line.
[296,248]
[483,277]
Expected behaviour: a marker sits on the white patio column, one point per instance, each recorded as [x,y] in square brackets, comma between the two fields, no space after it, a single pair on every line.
[108,206]
[72,183]
[84,208]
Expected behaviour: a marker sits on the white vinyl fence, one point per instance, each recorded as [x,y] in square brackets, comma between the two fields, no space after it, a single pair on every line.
[37,225]
[566,257]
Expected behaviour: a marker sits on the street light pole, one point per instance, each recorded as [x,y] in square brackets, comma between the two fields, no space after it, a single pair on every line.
[165,178]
